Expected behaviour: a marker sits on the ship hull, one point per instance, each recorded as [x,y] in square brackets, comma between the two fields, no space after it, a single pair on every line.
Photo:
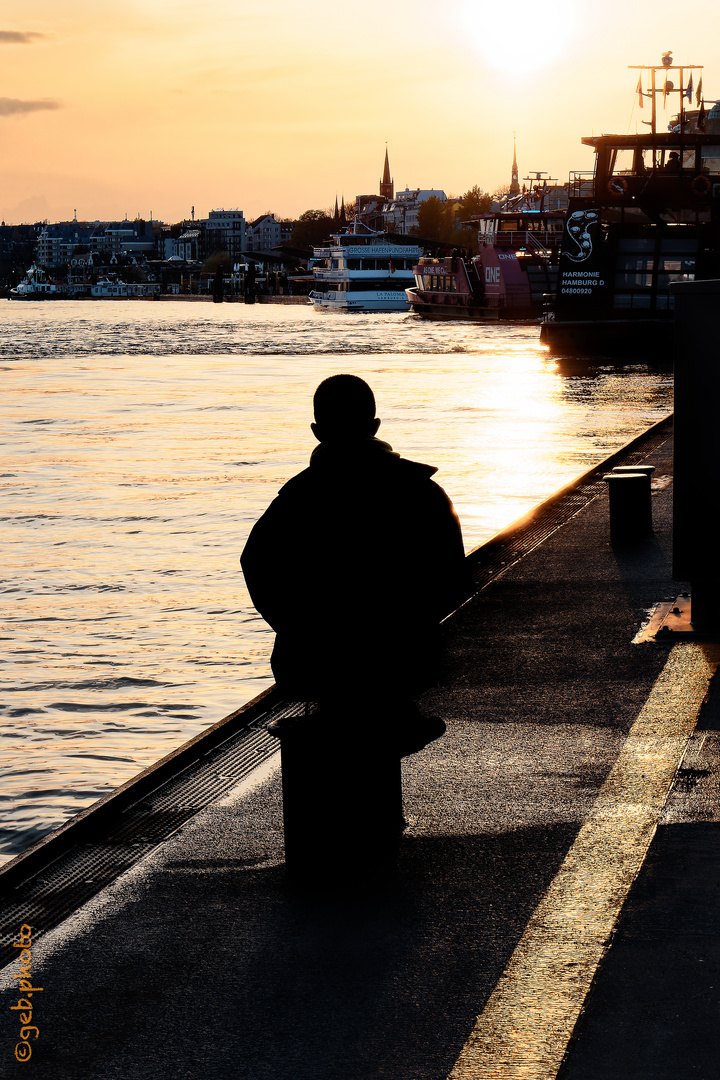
[453,312]
[359,301]
[631,339]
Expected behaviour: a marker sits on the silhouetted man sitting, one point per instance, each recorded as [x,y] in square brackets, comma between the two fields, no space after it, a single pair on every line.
[353,565]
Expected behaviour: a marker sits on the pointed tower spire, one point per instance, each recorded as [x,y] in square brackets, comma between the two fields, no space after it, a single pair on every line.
[514,183]
[336,215]
[343,219]
[387,185]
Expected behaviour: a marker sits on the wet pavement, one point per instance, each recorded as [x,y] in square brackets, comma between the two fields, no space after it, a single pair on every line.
[202,960]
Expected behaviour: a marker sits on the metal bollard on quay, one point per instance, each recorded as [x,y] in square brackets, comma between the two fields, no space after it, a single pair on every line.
[630,503]
[342,803]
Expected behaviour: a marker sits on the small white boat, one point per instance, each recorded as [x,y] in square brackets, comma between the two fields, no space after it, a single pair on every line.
[36,285]
[360,270]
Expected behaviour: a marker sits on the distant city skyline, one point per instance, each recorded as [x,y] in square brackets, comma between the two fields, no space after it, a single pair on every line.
[153,106]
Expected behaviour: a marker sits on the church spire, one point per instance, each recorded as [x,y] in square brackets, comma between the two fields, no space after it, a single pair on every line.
[343,219]
[515,182]
[387,185]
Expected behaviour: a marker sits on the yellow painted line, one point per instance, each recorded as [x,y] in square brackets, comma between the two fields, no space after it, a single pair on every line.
[524,1030]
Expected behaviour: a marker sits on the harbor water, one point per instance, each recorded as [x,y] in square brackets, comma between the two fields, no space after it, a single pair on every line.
[139,443]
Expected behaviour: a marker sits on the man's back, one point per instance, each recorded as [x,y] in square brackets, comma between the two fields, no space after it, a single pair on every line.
[353,565]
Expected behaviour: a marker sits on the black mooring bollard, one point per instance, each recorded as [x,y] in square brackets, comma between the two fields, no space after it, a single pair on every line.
[342,803]
[630,506]
[648,470]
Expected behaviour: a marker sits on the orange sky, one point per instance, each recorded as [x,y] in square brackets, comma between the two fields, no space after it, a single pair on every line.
[141,106]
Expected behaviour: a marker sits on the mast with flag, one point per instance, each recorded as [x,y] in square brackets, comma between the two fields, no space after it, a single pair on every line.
[667,86]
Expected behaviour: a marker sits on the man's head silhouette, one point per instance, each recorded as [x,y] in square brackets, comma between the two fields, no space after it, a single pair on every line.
[344,407]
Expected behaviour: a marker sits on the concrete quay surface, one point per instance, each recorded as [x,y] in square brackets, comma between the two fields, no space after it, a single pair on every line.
[554,910]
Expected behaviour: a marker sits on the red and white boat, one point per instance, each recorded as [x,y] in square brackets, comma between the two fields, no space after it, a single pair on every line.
[513,273]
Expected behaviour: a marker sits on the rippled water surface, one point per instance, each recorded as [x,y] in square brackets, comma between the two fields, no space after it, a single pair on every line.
[139,443]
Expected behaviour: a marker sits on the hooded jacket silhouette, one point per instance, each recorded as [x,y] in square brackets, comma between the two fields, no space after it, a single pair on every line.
[353,565]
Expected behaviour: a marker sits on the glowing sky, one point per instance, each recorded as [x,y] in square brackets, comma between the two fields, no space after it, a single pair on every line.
[157,105]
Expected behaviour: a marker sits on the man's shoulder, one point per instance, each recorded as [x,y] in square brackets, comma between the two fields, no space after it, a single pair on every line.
[297,484]
[417,477]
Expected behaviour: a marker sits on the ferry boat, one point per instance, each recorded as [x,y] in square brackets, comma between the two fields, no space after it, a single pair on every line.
[510,277]
[361,270]
[647,216]
[37,285]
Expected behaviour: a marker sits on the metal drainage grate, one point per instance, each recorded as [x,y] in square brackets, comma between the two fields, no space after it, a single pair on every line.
[48,896]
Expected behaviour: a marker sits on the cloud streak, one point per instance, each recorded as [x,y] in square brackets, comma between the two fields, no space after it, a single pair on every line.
[20,37]
[16,107]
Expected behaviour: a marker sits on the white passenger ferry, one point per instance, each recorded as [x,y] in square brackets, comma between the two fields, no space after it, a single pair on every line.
[361,270]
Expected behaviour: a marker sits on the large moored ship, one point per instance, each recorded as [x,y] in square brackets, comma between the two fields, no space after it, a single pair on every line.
[648,216]
[361,270]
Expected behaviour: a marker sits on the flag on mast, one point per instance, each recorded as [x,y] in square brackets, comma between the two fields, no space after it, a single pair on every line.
[698,95]
[689,90]
[639,91]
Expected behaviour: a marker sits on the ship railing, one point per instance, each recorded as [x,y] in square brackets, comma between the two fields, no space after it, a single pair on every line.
[529,238]
[329,275]
[533,244]
[582,184]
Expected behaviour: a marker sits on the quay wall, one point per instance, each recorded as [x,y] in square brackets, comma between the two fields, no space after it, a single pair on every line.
[229,299]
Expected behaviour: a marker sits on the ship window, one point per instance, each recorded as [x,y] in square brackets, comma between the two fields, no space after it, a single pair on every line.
[688,246]
[634,272]
[664,301]
[636,244]
[353,264]
[711,158]
[623,162]
[635,262]
[632,300]
[675,270]
[508,224]
[633,281]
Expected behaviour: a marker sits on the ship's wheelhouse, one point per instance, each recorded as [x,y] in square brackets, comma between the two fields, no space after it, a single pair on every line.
[521,229]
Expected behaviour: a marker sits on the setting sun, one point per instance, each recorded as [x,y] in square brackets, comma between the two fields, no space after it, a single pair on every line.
[534,37]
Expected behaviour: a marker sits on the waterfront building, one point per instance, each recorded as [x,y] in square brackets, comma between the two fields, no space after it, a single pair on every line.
[225,231]
[188,245]
[17,245]
[267,232]
[401,214]
[57,242]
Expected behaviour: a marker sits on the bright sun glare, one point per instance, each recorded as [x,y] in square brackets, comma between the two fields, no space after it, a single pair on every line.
[523,36]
